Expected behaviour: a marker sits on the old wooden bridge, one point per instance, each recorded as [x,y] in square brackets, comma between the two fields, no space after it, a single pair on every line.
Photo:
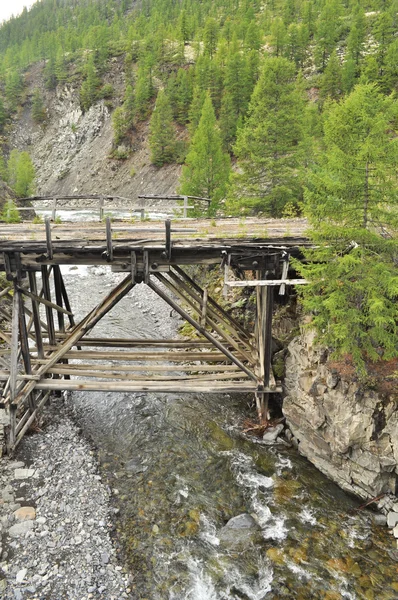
[43,349]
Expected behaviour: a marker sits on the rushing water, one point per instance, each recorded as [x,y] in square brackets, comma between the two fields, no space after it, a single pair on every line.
[180,468]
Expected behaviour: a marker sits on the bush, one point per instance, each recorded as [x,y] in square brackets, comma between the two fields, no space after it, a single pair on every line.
[10,213]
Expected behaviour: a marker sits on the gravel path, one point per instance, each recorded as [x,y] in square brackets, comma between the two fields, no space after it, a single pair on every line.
[55,519]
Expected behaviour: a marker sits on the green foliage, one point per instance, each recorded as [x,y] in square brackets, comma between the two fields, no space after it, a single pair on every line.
[206,168]
[268,146]
[10,213]
[38,110]
[13,88]
[162,132]
[3,115]
[21,173]
[89,90]
[352,201]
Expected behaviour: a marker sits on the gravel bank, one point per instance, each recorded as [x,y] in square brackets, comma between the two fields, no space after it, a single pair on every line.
[55,519]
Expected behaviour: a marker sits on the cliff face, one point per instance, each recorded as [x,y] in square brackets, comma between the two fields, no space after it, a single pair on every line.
[71,150]
[348,431]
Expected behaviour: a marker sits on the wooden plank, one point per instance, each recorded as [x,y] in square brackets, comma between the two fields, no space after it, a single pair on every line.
[14,346]
[69,370]
[139,356]
[58,298]
[213,368]
[265,282]
[140,343]
[179,387]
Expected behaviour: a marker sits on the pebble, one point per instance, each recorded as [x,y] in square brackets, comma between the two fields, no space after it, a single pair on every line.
[58,545]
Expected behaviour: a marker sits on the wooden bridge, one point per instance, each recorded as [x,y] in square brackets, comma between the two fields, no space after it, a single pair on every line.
[43,348]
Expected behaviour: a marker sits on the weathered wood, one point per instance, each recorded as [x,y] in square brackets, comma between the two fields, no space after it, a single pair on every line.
[109,245]
[140,343]
[31,419]
[204,308]
[265,282]
[201,330]
[14,347]
[47,297]
[179,387]
[114,375]
[23,332]
[36,314]
[37,298]
[58,297]
[155,356]
[152,368]
[48,239]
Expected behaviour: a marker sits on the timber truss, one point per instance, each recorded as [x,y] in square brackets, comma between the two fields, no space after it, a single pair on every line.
[45,350]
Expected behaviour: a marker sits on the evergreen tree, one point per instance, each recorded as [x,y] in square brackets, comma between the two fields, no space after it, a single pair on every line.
[13,88]
[89,88]
[278,36]
[210,36]
[129,107]
[38,110]
[268,147]
[331,83]
[352,201]
[195,109]
[162,134]
[206,169]
[143,92]
[2,115]
[348,75]
[328,29]
[50,76]
[119,125]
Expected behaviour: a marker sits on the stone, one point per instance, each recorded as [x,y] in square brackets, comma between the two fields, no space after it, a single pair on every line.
[272,433]
[41,520]
[25,513]
[240,530]
[20,529]
[24,473]
[21,575]
[392,519]
[104,558]
[380,520]
[395,531]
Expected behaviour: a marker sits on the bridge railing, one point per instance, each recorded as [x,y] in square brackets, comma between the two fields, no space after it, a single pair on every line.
[103,204]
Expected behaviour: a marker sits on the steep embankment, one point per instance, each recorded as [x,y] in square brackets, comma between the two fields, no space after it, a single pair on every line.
[346,428]
[71,150]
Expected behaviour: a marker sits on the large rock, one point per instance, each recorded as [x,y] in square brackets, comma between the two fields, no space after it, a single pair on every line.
[239,530]
[349,432]
[20,529]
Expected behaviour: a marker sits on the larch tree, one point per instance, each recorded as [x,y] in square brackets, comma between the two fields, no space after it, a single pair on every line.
[352,202]
[162,138]
[268,145]
[206,169]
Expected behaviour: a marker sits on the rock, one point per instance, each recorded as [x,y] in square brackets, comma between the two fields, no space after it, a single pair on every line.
[392,519]
[3,585]
[395,531]
[104,558]
[272,433]
[240,530]
[25,513]
[23,473]
[41,520]
[20,529]
[380,520]
[21,575]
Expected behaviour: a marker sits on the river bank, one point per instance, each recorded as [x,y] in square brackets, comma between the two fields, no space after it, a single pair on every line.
[55,519]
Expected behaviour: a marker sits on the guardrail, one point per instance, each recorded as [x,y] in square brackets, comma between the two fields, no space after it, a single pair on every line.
[124,204]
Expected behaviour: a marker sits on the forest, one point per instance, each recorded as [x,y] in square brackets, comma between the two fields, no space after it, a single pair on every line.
[283,108]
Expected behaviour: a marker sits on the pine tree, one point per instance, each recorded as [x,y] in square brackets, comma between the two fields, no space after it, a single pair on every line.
[38,110]
[352,202]
[210,36]
[50,76]
[327,34]
[129,106]
[13,88]
[267,147]
[119,125]
[143,92]
[162,134]
[206,169]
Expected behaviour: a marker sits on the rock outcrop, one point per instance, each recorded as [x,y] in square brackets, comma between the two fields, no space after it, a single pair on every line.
[347,430]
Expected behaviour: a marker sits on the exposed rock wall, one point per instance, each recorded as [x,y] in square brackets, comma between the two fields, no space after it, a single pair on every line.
[348,431]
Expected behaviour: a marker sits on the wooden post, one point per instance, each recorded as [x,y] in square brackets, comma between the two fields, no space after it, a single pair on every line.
[48,239]
[265,296]
[36,314]
[49,310]
[185,207]
[101,208]
[25,346]
[58,296]
[54,210]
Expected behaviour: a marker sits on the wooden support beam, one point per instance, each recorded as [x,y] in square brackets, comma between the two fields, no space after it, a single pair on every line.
[37,298]
[212,302]
[58,297]
[178,387]
[36,314]
[47,297]
[23,332]
[139,343]
[48,239]
[223,334]
[138,356]
[201,329]
[78,332]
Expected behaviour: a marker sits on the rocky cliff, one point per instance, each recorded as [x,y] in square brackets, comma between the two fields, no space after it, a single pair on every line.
[344,427]
[71,150]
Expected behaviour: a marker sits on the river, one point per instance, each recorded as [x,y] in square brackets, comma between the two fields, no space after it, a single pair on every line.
[180,468]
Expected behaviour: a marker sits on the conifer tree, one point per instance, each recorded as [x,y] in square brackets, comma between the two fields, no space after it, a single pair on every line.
[38,110]
[89,88]
[206,169]
[50,76]
[267,146]
[119,125]
[331,83]
[20,173]
[129,106]
[2,115]
[210,36]
[13,88]
[143,92]
[352,202]
[162,134]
